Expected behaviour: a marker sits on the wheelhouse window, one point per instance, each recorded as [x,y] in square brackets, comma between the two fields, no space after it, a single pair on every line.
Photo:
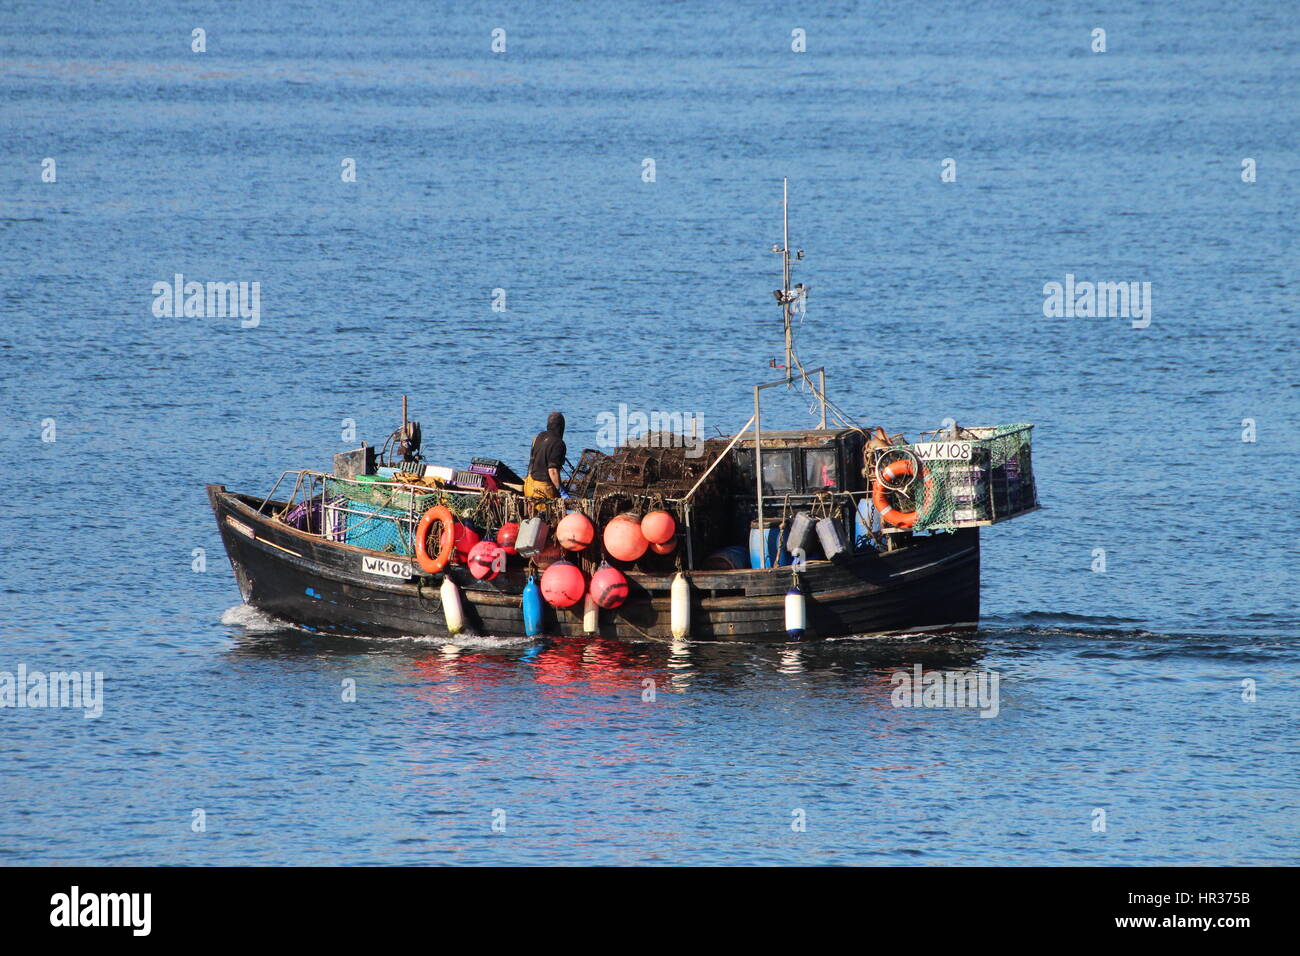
[778,472]
[820,469]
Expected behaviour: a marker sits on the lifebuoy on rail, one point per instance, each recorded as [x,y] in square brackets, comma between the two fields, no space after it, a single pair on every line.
[446,541]
[892,472]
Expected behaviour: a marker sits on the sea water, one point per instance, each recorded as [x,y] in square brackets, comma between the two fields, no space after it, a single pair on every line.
[584,221]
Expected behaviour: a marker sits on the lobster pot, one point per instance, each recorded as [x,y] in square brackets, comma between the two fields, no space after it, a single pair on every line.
[367,526]
[969,488]
[973,476]
[1011,493]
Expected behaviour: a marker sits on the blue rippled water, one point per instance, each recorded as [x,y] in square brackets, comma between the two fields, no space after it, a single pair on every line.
[1120,690]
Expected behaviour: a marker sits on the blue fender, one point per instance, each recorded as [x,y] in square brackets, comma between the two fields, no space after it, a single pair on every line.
[532,607]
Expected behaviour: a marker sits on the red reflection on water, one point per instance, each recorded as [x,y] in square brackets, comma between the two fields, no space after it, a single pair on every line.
[598,665]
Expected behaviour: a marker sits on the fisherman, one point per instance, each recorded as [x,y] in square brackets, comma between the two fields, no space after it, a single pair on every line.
[543,478]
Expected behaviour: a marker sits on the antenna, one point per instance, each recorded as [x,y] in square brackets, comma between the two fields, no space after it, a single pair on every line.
[788,298]
[792,299]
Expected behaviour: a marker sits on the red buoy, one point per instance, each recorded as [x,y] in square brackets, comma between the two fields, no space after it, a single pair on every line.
[506,536]
[486,559]
[575,531]
[608,587]
[658,527]
[623,538]
[563,584]
[466,538]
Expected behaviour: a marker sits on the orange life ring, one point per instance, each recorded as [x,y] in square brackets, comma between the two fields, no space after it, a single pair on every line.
[447,544]
[892,471]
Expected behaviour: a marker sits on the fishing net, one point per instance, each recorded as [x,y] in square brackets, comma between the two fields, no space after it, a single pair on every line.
[382,496]
[365,526]
[376,516]
[974,476]
[383,516]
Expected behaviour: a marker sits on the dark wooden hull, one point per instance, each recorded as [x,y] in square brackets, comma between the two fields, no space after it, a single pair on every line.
[931,585]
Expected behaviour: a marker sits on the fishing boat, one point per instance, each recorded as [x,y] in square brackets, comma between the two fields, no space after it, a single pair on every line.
[838,530]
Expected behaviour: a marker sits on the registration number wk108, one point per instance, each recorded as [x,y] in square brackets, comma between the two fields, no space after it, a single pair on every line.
[387,568]
[942,450]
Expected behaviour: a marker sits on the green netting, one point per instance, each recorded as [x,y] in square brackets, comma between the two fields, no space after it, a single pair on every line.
[382,496]
[383,517]
[982,476]
[463,507]
[379,529]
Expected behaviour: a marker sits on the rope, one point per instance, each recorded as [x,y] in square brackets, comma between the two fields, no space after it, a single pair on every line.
[718,461]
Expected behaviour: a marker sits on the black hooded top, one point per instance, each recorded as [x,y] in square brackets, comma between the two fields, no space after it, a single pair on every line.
[548,449]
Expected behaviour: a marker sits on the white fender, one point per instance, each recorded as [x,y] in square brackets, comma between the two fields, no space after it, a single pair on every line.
[590,614]
[796,613]
[681,606]
[451,606]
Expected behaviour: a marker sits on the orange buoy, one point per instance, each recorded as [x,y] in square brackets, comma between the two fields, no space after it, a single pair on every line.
[668,547]
[506,536]
[608,587]
[575,531]
[563,584]
[658,527]
[623,538]
[486,559]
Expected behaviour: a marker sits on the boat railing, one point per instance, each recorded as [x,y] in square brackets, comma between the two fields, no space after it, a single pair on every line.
[382,515]
[373,513]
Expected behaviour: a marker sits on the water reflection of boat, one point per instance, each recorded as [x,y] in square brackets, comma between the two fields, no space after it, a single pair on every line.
[847,529]
[618,667]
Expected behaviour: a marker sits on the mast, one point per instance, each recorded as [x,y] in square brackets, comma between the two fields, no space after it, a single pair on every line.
[789,299]
[792,298]
[785,276]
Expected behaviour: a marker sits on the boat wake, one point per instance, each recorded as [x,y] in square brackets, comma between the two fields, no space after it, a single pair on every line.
[464,641]
[1044,625]
[253,621]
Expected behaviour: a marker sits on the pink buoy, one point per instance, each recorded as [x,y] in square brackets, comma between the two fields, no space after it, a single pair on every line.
[658,527]
[623,538]
[575,531]
[608,587]
[486,559]
[506,536]
[563,584]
